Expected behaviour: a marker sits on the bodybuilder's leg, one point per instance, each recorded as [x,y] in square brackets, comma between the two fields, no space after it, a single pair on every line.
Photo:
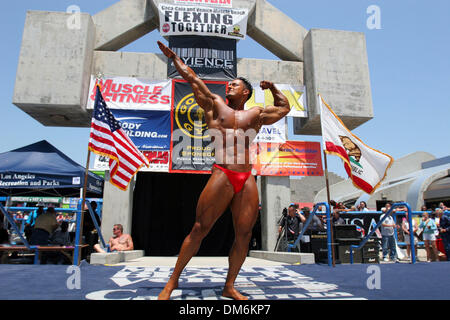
[244,207]
[214,199]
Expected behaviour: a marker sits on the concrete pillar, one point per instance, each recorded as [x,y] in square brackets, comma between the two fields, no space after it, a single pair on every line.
[336,66]
[54,68]
[275,195]
[117,208]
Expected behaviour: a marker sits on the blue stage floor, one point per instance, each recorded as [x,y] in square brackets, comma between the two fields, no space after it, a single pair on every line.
[400,281]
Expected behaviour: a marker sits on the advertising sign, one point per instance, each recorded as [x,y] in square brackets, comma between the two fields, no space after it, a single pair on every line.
[295,94]
[274,133]
[159,161]
[202,21]
[210,57]
[133,93]
[191,149]
[149,130]
[293,158]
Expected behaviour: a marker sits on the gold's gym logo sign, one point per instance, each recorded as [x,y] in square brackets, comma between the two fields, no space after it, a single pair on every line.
[190,118]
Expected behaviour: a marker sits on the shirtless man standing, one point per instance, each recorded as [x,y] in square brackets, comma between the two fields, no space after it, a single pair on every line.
[231,183]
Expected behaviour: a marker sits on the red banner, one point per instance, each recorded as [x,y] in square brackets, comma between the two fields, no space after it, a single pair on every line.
[293,158]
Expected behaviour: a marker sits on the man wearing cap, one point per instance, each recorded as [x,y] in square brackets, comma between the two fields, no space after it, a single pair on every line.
[292,223]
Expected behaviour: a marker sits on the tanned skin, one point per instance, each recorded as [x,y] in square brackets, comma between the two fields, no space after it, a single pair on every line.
[231,120]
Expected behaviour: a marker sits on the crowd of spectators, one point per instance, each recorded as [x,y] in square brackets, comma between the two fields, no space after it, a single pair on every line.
[431,227]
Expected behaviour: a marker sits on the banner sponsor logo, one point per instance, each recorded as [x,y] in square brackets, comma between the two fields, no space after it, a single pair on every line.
[192,149]
[133,93]
[296,96]
[209,57]
[148,129]
[215,3]
[159,161]
[200,20]
[293,158]
[274,133]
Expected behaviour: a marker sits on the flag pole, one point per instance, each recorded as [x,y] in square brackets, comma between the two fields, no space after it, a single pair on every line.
[327,184]
[83,201]
[329,204]
[83,197]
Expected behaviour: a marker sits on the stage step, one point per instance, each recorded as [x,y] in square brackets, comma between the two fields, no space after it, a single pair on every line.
[115,257]
[286,257]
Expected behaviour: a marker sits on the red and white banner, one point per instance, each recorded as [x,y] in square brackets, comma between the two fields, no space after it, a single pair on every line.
[366,167]
[133,93]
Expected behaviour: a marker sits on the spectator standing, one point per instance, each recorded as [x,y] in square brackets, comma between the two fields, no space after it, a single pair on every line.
[31,220]
[45,225]
[316,223]
[406,235]
[429,227]
[363,206]
[292,223]
[90,233]
[337,218]
[388,227]
[444,231]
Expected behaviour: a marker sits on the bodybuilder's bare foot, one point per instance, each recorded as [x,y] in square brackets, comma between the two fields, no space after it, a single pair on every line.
[231,292]
[167,291]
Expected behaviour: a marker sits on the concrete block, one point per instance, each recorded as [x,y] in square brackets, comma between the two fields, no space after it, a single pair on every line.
[276,32]
[123,23]
[54,69]
[276,71]
[286,257]
[117,208]
[275,195]
[336,66]
[105,258]
[130,255]
[130,64]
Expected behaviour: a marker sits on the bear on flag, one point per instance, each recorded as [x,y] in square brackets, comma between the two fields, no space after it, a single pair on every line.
[365,166]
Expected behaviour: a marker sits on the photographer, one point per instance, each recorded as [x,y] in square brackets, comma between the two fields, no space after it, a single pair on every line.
[291,222]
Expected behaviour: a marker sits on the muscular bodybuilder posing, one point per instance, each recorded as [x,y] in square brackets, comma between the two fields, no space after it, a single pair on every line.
[231,182]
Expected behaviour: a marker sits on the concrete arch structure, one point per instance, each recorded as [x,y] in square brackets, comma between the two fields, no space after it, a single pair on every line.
[56,63]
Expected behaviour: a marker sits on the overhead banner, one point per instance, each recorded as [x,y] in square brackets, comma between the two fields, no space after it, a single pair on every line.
[149,130]
[215,3]
[133,93]
[210,57]
[295,94]
[293,158]
[176,20]
[191,146]
[274,133]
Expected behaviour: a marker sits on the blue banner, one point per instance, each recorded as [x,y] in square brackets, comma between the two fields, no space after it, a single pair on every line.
[149,130]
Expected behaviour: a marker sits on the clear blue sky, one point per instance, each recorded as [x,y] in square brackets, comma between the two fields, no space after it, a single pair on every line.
[409,62]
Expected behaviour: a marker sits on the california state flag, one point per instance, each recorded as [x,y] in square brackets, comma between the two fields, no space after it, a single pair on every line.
[366,167]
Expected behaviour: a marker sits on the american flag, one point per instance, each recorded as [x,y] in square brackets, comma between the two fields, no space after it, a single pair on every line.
[108,139]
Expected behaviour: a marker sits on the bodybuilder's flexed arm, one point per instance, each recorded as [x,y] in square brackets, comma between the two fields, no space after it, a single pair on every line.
[281,107]
[204,97]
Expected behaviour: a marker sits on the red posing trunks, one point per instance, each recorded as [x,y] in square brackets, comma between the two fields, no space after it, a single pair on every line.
[237,179]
